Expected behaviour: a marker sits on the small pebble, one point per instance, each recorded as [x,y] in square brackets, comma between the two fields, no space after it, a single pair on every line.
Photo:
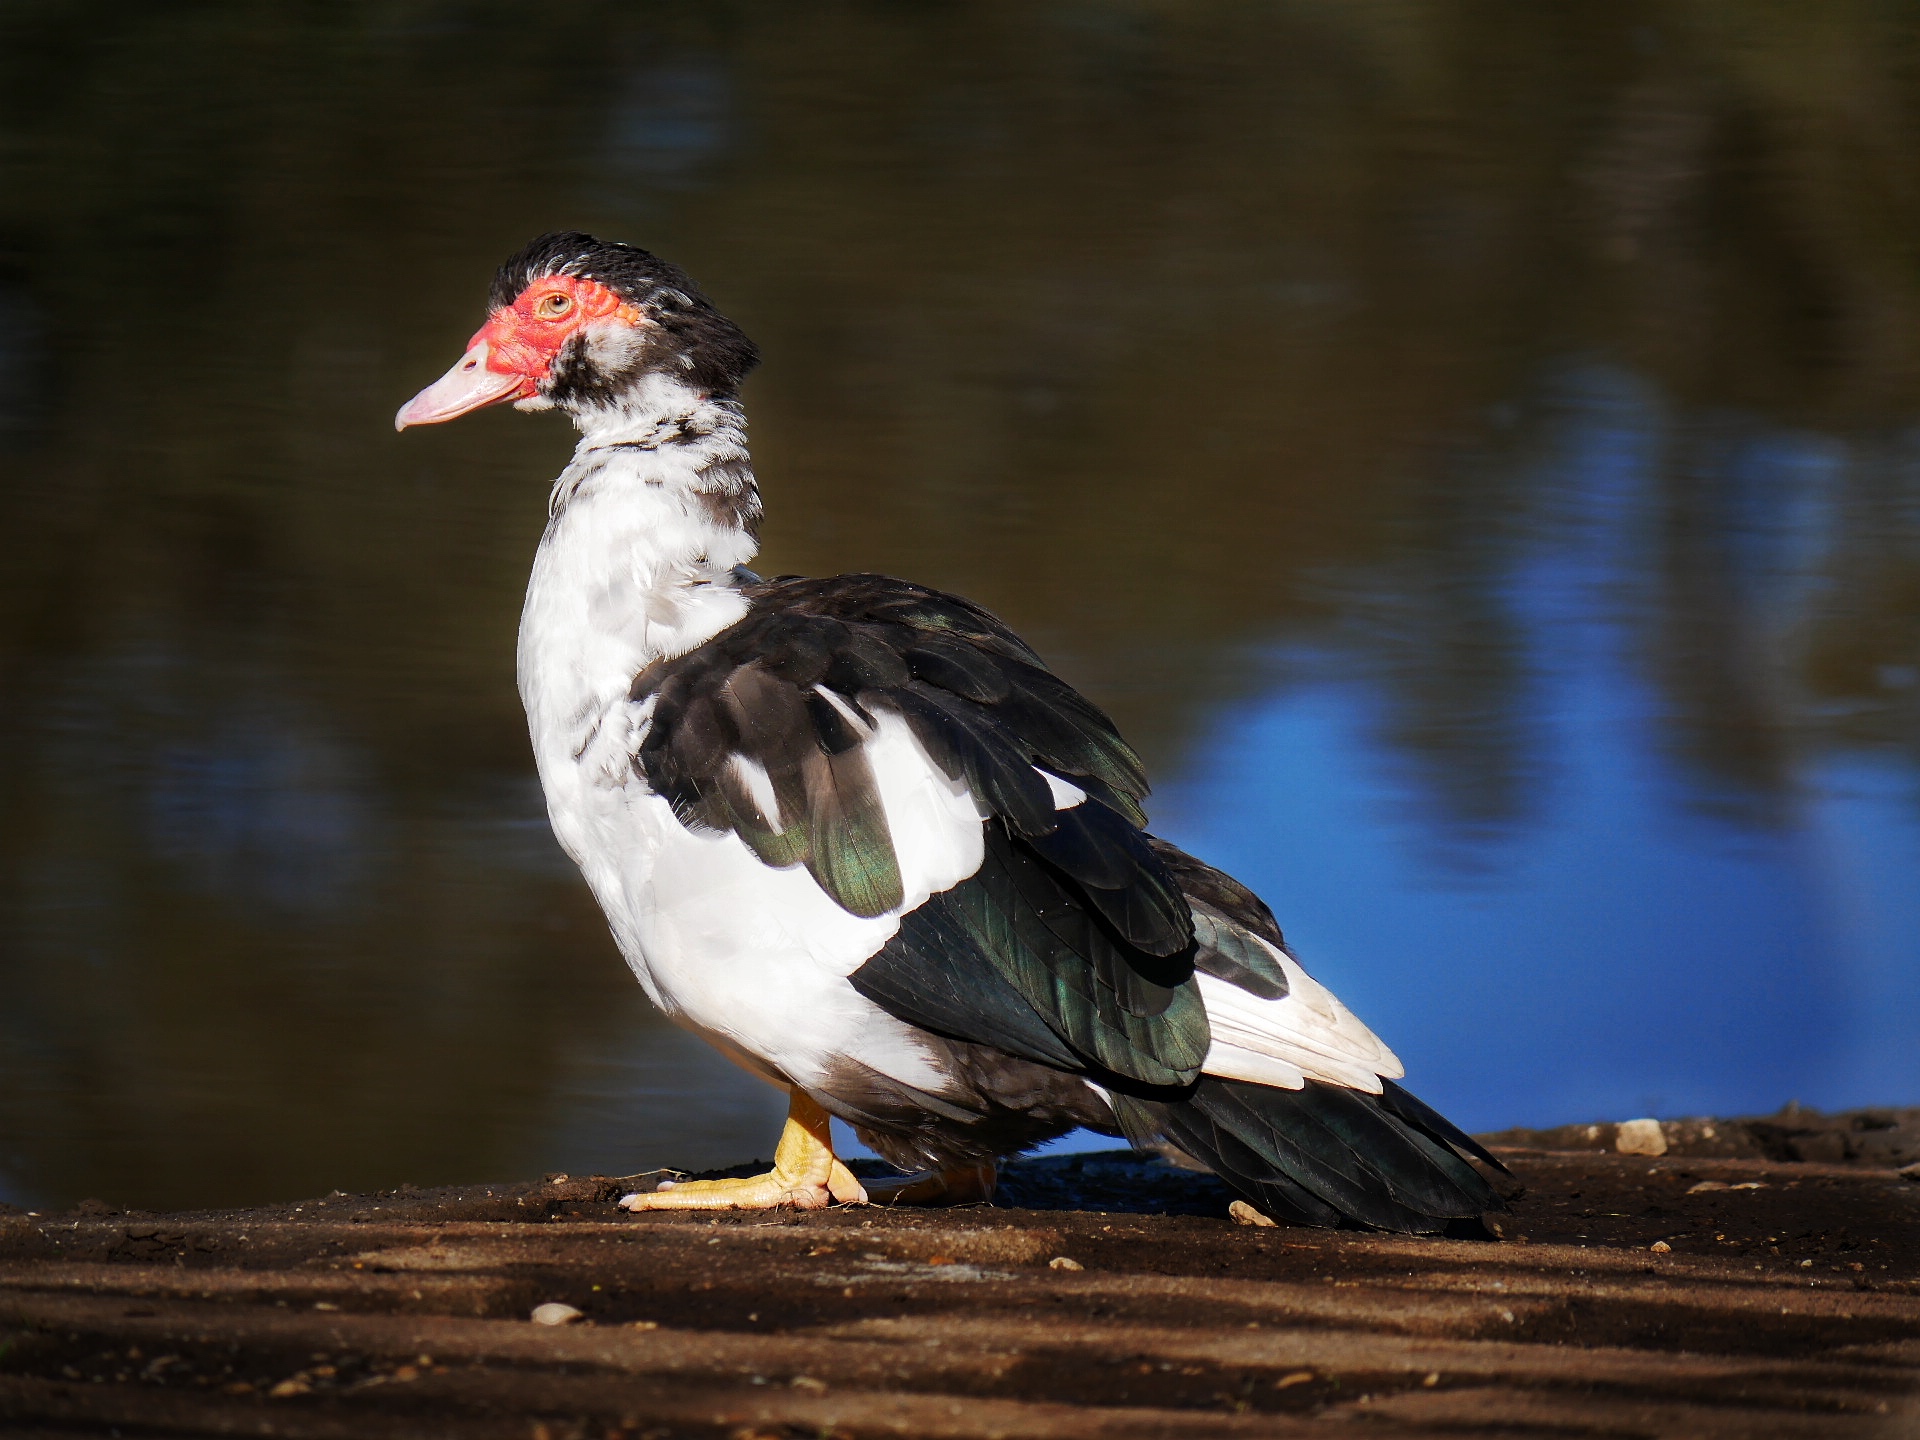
[1640,1137]
[1706,1185]
[1061,1262]
[554,1313]
[1660,1247]
[1245,1214]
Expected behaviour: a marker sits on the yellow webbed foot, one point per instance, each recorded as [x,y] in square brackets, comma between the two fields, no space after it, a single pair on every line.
[806,1174]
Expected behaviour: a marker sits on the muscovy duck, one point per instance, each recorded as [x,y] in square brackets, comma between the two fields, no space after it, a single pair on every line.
[857,835]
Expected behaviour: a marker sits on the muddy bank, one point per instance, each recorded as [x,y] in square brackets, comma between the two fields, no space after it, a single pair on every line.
[1632,1295]
[1885,1137]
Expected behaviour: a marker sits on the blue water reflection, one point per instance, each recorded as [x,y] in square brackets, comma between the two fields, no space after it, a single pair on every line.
[1647,935]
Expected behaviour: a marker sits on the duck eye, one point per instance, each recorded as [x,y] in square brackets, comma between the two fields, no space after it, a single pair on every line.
[552,305]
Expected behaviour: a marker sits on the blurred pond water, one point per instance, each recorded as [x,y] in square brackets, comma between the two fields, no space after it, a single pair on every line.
[1473,450]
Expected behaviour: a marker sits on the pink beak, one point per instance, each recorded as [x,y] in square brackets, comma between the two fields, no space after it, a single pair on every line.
[467,387]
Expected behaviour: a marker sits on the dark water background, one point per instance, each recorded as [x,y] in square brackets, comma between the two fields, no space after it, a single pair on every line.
[1474,449]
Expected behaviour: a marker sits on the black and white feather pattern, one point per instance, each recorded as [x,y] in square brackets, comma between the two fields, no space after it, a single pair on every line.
[1080,944]
[788,693]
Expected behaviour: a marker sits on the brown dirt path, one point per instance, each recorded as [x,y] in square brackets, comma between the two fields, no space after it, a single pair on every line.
[1785,1304]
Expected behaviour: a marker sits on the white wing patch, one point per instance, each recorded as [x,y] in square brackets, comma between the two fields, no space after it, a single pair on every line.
[1305,1035]
[753,775]
[846,711]
[1065,794]
[938,828]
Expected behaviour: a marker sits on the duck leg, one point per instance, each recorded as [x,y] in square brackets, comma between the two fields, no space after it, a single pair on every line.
[955,1185]
[806,1174]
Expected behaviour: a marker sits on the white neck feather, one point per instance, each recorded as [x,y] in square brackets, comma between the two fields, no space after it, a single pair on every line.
[647,523]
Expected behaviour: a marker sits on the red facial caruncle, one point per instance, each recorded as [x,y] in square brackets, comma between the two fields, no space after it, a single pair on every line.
[514,351]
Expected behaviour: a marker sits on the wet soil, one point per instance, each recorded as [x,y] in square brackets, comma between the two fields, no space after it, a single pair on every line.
[1104,1295]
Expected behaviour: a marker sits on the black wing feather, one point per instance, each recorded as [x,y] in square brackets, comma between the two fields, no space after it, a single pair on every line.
[962,739]
[1226,918]
[850,850]
[933,974]
[1423,1117]
[1020,921]
[956,666]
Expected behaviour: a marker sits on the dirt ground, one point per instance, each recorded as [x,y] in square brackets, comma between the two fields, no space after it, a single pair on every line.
[1693,1293]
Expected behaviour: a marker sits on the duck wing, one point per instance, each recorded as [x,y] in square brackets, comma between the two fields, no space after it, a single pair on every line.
[1070,943]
